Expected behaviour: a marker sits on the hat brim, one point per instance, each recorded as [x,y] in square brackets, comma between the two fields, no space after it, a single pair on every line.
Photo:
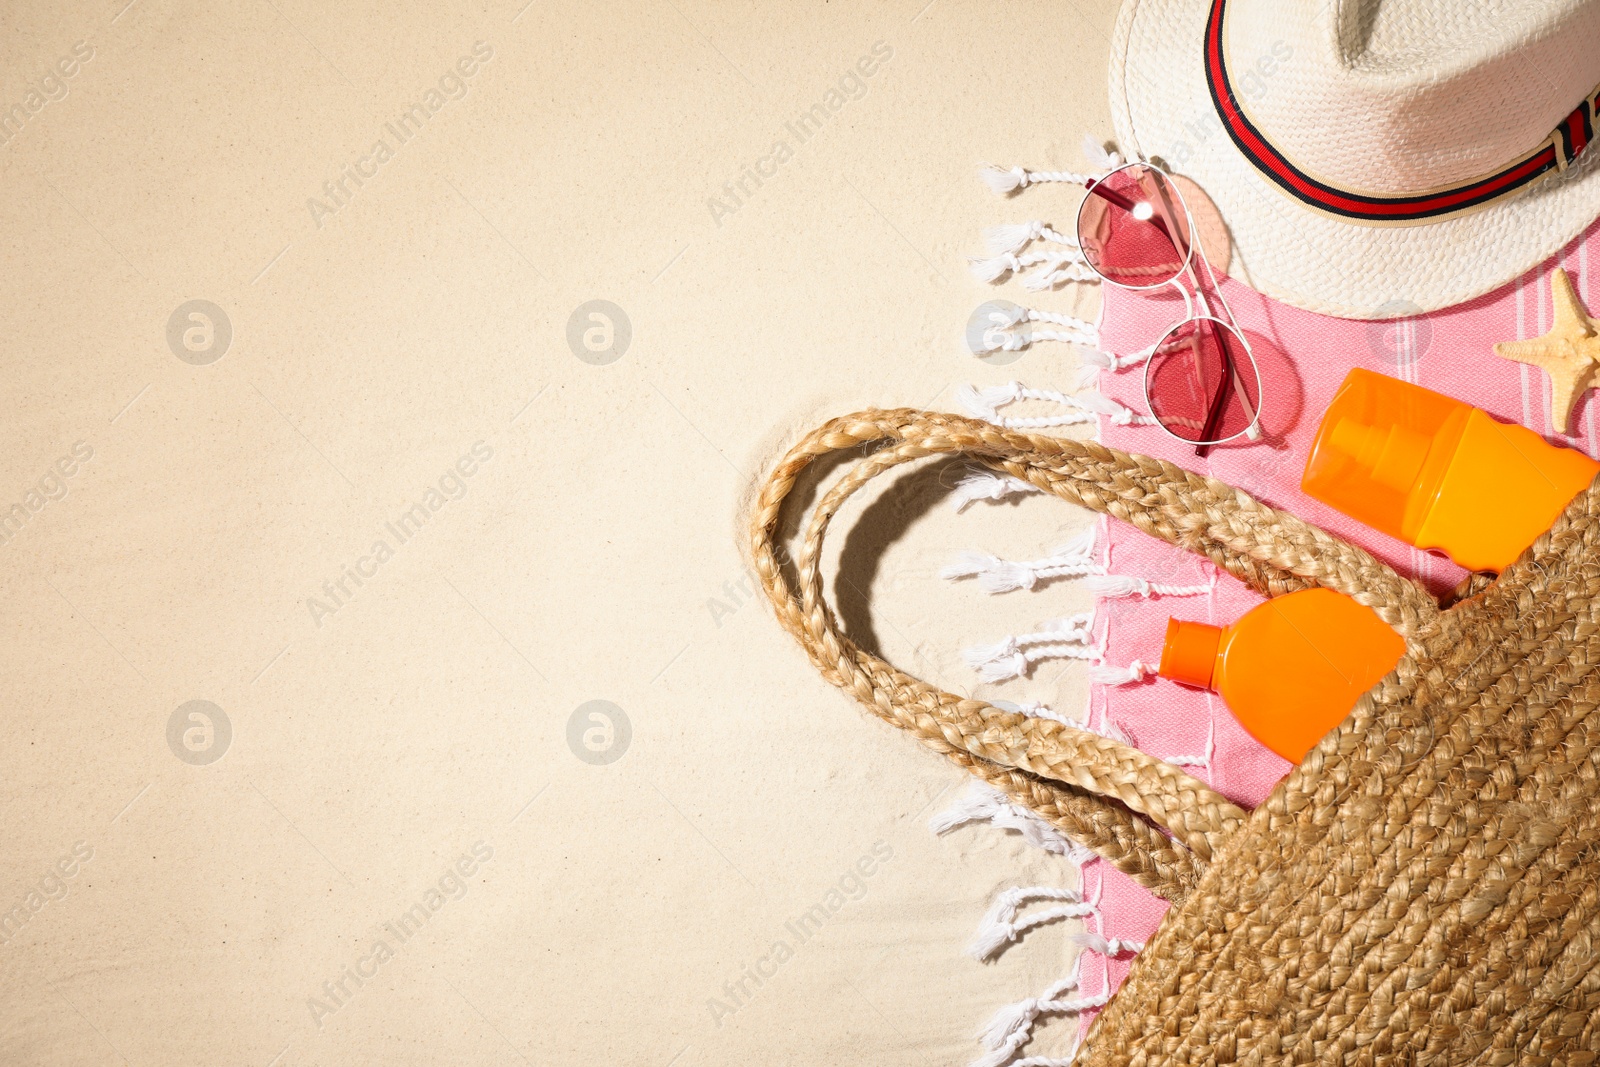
[1162,109]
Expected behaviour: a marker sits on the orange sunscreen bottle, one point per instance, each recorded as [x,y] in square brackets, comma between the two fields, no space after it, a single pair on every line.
[1438,473]
[1291,669]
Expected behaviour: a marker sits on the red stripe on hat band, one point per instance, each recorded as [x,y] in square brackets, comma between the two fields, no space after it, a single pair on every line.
[1576,130]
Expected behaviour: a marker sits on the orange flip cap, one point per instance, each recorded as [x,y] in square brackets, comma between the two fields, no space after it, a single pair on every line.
[1189,654]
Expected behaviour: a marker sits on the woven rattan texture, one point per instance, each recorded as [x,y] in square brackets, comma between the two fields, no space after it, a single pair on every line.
[1421,889]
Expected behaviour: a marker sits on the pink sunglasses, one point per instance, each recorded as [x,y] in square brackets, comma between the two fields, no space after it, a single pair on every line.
[1201,380]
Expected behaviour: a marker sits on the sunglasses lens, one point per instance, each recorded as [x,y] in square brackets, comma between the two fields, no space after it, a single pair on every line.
[1133,228]
[1202,384]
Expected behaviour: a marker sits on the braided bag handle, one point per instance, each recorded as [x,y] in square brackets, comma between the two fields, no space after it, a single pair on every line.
[1108,795]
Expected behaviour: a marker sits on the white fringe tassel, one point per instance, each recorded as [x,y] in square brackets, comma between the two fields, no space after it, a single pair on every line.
[1001,927]
[1003,334]
[1012,1025]
[1116,732]
[1111,947]
[1037,710]
[1126,585]
[1065,271]
[1097,154]
[1075,559]
[1103,360]
[988,485]
[1079,407]
[1109,728]
[1068,261]
[1100,359]
[1004,181]
[1007,180]
[1068,638]
[1057,318]
[1097,360]
[1002,339]
[984,803]
[1137,671]
[1014,237]
[1203,761]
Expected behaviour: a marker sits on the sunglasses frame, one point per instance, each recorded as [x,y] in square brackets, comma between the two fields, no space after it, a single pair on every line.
[1194,246]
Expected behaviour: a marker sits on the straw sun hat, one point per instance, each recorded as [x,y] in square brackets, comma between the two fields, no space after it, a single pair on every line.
[1371,157]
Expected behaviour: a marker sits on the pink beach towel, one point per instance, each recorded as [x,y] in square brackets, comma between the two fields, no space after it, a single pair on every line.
[1304,357]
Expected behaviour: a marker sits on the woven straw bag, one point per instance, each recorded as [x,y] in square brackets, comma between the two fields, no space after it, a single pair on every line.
[1421,890]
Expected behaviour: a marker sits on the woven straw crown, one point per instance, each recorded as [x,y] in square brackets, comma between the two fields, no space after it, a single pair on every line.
[1405,96]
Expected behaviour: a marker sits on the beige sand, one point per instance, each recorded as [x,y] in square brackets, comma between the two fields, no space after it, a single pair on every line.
[390,364]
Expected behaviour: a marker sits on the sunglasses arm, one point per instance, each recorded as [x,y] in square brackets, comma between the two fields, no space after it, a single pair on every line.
[1231,383]
[1253,432]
